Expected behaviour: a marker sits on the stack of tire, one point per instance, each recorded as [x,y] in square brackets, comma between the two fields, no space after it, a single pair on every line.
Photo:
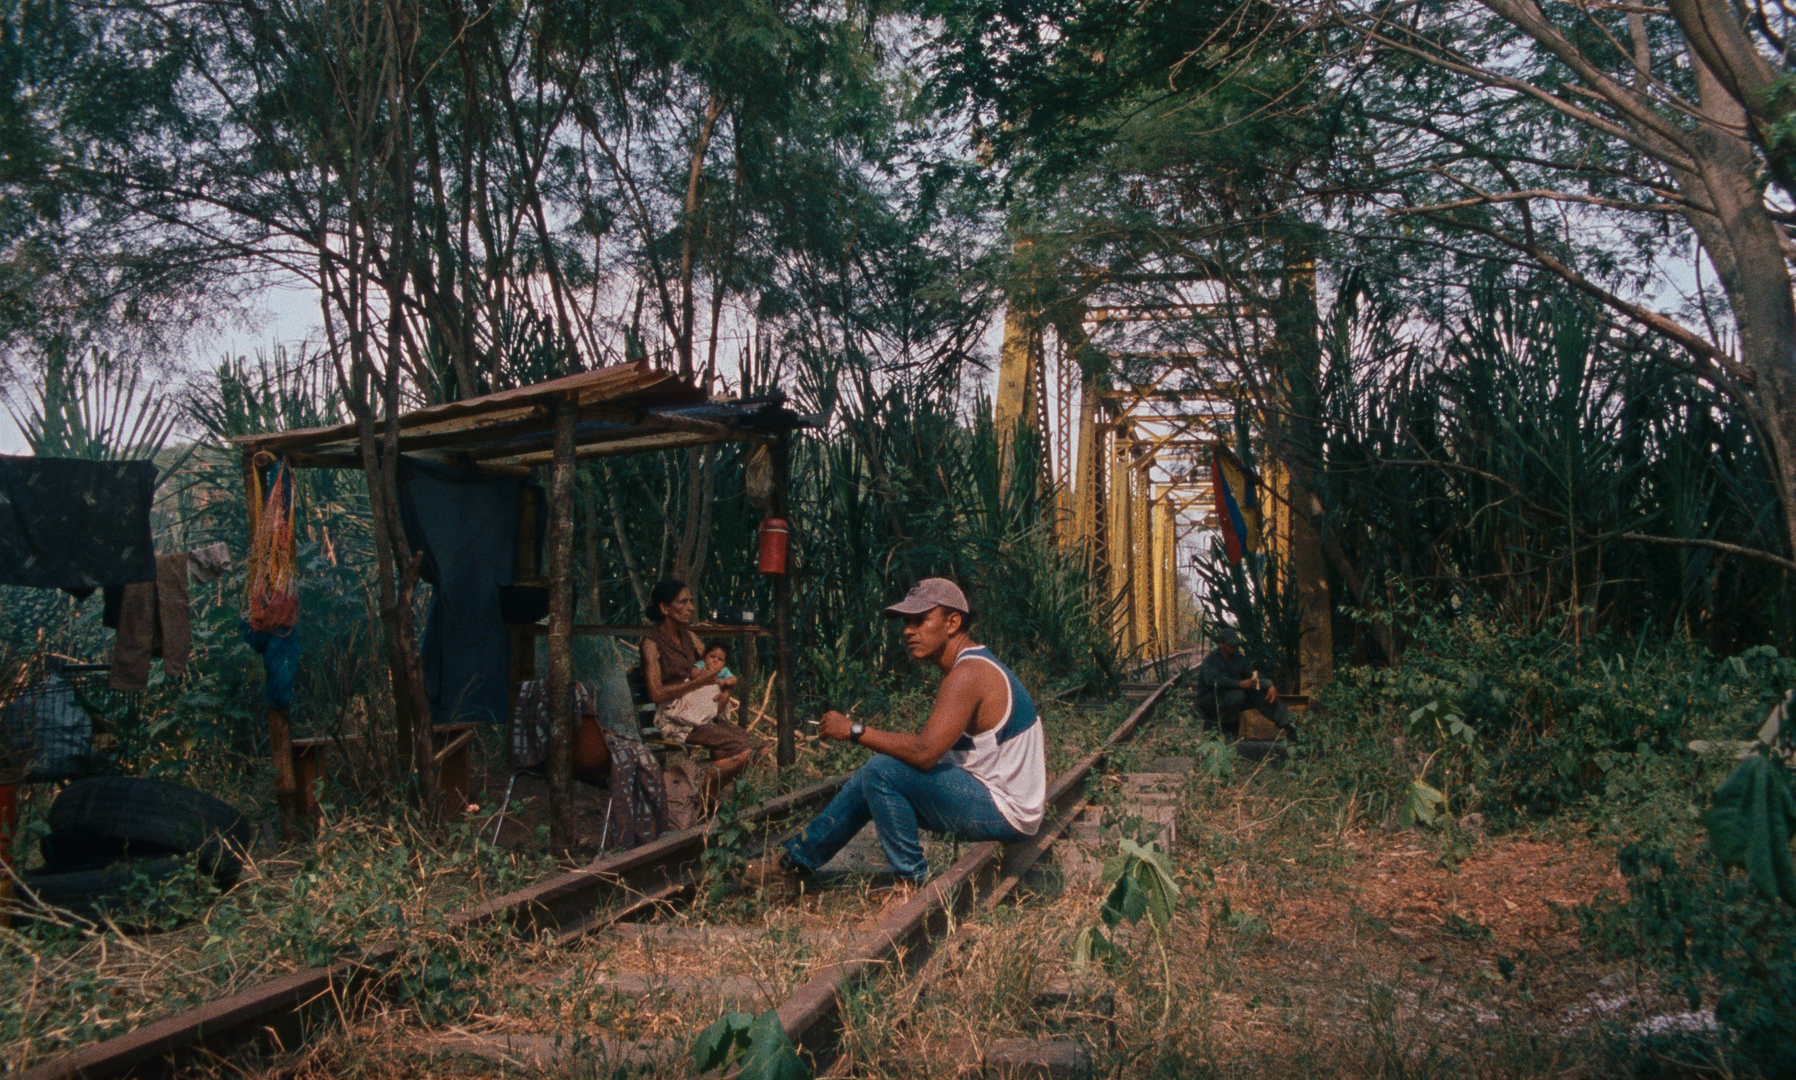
[113,840]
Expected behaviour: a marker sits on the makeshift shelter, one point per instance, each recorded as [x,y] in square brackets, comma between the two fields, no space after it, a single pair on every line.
[627,409]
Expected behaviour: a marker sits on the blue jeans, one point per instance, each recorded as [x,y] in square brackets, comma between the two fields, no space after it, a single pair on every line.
[898,799]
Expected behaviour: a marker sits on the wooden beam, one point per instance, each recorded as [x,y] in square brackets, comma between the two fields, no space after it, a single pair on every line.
[672,440]
[786,751]
[591,387]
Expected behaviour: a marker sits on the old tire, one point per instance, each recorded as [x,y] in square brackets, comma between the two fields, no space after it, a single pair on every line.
[99,821]
[118,892]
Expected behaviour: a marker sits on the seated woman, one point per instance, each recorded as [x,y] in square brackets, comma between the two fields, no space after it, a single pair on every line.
[684,688]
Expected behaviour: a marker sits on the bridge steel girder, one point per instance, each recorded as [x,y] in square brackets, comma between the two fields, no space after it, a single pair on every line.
[1125,467]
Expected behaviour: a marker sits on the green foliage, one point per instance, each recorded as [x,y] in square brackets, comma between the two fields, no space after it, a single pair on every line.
[726,842]
[756,1044]
[905,490]
[1259,597]
[1142,884]
[1455,758]
[1500,465]
[1711,932]
[91,408]
[1750,825]
[1512,724]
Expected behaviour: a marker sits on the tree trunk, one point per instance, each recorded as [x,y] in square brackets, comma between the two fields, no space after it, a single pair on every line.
[1297,359]
[561,622]
[1745,245]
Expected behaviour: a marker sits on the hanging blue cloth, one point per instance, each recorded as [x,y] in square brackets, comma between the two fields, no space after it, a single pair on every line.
[279,650]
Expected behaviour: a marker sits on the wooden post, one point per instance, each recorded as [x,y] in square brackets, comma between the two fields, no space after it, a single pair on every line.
[787,751]
[561,621]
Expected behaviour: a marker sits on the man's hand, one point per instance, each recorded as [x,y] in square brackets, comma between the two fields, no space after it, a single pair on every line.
[1271,693]
[834,725]
[1247,683]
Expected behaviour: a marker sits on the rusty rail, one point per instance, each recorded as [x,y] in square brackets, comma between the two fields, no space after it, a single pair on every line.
[278,1012]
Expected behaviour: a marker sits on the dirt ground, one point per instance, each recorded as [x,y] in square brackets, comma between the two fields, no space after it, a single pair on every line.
[1375,949]
[525,823]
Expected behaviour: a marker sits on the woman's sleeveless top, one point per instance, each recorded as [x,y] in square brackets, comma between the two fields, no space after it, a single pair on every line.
[1011,758]
[675,653]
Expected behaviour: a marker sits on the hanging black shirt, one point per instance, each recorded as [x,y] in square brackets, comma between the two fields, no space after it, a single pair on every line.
[67,523]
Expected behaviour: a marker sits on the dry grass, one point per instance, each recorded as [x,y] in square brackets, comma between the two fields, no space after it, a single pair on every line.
[74,983]
[1307,942]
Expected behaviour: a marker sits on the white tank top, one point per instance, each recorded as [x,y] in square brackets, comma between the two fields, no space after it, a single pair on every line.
[1011,758]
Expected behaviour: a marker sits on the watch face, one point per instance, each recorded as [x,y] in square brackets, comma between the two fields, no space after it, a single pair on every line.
[856,730]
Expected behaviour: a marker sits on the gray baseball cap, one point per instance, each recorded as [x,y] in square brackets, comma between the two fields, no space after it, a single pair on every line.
[1225,635]
[930,593]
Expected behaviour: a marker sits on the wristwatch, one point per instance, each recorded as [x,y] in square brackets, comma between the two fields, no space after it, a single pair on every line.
[856,730]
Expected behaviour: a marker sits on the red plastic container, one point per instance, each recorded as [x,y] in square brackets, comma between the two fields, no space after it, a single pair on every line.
[773,546]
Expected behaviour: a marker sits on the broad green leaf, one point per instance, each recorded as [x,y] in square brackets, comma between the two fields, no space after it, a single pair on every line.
[1127,901]
[1151,872]
[1425,803]
[1148,853]
[771,1055]
[1091,943]
[1162,894]
[715,1045]
[1750,824]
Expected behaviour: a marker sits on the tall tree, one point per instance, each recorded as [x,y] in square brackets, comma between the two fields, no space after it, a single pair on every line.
[1586,139]
[1599,143]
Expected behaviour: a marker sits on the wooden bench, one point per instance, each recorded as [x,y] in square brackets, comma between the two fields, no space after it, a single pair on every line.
[311,763]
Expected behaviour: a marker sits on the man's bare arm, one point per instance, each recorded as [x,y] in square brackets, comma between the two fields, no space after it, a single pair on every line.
[964,690]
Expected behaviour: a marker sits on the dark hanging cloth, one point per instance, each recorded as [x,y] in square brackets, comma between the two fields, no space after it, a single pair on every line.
[639,807]
[279,650]
[530,727]
[466,525]
[154,620]
[77,525]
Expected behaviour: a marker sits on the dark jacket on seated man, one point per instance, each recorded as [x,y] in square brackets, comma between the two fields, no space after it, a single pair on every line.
[1224,688]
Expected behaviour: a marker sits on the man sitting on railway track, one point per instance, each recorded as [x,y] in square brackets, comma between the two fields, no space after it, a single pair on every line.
[1228,685]
[977,769]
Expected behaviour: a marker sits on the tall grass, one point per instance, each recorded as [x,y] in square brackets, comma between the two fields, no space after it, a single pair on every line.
[1508,454]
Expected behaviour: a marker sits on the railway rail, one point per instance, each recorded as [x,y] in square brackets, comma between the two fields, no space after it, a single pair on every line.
[613,890]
